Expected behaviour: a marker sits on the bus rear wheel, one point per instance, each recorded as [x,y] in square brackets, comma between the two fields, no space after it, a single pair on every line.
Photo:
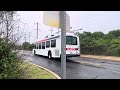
[49,55]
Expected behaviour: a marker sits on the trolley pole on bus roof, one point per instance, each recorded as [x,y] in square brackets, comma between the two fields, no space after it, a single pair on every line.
[63,43]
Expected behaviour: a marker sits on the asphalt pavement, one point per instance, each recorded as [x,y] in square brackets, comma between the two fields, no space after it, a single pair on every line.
[78,68]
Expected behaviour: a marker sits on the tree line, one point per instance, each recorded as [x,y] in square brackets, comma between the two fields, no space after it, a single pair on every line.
[98,43]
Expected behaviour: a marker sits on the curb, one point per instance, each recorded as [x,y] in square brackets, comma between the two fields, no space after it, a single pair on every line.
[54,74]
[88,64]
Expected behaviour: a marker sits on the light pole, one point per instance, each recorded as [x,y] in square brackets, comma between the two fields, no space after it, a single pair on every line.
[37,28]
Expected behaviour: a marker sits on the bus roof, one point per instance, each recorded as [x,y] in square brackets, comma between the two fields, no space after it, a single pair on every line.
[48,39]
[53,36]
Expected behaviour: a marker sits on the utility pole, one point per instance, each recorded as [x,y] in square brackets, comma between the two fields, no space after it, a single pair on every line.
[37,31]
[58,30]
[29,37]
[18,35]
[7,30]
[25,37]
[51,30]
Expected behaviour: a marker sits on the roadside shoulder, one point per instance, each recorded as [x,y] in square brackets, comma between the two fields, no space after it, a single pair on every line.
[111,58]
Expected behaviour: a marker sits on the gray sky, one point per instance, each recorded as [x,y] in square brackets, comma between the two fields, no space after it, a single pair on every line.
[91,21]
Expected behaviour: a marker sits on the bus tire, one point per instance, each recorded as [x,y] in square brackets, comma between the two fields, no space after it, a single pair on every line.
[49,55]
[34,52]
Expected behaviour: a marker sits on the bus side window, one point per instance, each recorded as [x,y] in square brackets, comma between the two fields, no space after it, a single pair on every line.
[53,43]
[47,44]
[39,45]
[43,45]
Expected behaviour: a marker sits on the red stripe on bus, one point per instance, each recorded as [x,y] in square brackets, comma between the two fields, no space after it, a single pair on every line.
[47,39]
[42,40]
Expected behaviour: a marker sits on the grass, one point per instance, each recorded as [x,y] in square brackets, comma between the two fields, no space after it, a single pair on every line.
[35,72]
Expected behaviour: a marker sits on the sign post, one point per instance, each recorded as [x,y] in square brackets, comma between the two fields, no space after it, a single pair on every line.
[59,19]
[63,43]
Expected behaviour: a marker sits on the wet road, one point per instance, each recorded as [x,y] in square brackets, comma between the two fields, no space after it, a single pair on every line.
[100,69]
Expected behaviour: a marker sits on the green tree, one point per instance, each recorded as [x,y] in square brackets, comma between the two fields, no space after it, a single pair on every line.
[114,33]
[27,46]
[97,35]
[9,60]
[99,43]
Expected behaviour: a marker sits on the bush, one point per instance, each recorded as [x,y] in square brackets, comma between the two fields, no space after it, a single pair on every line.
[9,62]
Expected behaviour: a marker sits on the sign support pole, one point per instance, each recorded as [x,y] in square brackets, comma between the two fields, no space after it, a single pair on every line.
[63,43]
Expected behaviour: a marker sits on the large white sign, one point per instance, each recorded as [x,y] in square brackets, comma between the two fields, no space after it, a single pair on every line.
[52,18]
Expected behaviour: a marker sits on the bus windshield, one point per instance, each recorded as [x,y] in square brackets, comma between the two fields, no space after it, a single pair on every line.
[71,40]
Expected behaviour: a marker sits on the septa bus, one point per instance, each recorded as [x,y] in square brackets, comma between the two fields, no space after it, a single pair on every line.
[51,46]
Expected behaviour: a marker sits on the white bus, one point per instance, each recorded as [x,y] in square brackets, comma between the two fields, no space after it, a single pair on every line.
[51,46]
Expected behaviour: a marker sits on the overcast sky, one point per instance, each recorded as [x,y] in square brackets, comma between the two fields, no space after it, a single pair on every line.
[91,21]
